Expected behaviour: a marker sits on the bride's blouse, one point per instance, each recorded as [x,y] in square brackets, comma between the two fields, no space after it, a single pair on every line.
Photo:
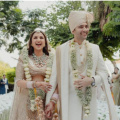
[33,69]
[20,109]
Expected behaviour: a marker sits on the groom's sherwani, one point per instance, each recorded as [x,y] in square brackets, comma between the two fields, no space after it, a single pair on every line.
[70,103]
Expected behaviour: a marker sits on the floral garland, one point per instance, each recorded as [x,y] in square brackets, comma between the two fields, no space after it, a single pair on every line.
[85,99]
[36,100]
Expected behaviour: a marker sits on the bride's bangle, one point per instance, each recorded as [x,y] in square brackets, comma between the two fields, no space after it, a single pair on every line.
[54,101]
[34,84]
[56,96]
[29,84]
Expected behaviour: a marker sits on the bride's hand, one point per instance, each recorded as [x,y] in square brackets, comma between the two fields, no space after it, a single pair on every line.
[44,86]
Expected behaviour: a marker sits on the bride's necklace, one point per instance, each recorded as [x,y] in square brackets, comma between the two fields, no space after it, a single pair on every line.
[41,60]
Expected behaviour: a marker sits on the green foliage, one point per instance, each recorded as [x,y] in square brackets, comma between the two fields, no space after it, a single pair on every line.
[2,42]
[57,28]
[112,4]
[93,7]
[59,35]
[112,28]
[10,20]
[109,38]
[5,68]
[95,34]
[11,75]
[33,19]
[18,25]
[11,17]
[108,44]
[16,43]
[113,25]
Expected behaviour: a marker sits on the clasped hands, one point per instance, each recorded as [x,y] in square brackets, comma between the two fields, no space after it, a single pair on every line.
[51,106]
[83,82]
[80,83]
[49,109]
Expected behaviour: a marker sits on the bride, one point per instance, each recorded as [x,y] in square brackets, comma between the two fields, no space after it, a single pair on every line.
[33,74]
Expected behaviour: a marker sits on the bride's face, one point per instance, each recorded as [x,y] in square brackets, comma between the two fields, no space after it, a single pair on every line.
[38,41]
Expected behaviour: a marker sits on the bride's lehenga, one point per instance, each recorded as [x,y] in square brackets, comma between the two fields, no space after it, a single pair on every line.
[21,104]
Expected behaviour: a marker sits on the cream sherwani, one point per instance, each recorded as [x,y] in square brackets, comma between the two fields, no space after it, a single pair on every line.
[70,103]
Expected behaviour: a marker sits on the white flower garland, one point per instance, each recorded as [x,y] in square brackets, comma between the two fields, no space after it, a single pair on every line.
[35,101]
[85,99]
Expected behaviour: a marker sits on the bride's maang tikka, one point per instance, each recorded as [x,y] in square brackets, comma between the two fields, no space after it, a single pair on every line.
[38,30]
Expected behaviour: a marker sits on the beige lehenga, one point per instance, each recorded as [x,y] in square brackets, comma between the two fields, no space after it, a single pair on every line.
[20,109]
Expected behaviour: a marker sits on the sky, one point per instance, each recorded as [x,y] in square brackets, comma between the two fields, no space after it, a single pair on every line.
[27,5]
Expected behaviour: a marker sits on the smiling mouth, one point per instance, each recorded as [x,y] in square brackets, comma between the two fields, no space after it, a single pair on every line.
[84,34]
[38,44]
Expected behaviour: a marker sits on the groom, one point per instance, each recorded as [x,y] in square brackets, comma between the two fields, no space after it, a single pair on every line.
[81,69]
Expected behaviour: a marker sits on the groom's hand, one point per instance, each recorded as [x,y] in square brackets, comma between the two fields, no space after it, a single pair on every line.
[83,82]
[49,109]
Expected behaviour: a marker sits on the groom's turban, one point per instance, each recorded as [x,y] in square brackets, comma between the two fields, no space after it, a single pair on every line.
[76,18]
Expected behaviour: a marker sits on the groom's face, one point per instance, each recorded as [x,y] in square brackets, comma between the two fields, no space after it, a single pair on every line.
[81,31]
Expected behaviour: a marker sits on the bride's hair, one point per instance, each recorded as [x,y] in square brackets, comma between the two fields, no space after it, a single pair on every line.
[31,49]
